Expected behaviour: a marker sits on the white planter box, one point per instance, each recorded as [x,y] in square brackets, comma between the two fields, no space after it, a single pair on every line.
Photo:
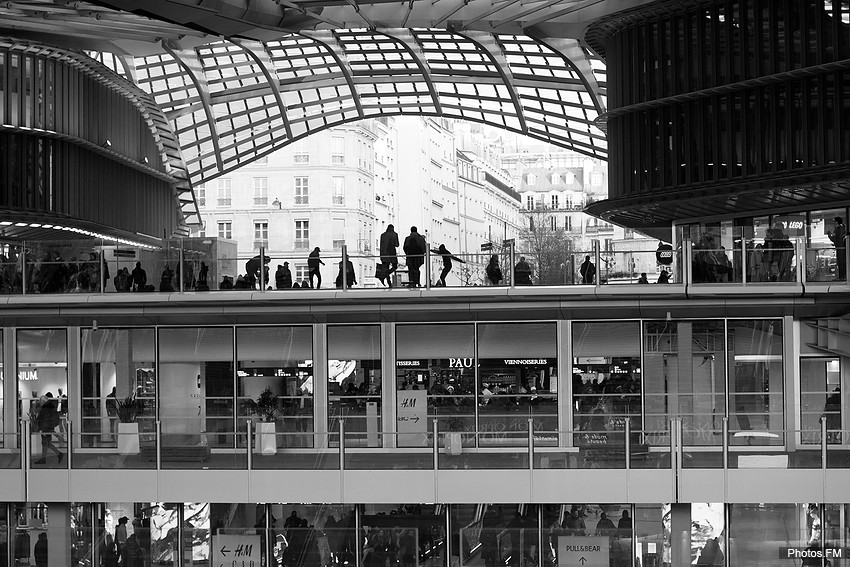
[128,438]
[35,446]
[265,440]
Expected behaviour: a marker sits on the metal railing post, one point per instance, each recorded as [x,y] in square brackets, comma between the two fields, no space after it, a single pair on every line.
[597,277]
[158,445]
[181,275]
[743,260]
[512,260]
[846,258]
[687,251]
[263,268]
[801,260]
[341,445]
[26,457]
[100,275]
[725,426]
[531,443]
[823,443]
[435,428]
[250,444]
[427,267]
[344,267]
[24,268]
[628,444]
[68,443]
[25,443]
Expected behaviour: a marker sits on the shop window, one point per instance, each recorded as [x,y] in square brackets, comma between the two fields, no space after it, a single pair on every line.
[606,380]
[685,365]
[820,397]
[279,359]
[196,391]
[754,359]
[42,369]
[435,368]
[354,383]
[117,363]
[517,368]
[756,529]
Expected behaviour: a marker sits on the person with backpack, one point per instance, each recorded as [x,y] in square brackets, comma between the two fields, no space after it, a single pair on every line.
[587,271]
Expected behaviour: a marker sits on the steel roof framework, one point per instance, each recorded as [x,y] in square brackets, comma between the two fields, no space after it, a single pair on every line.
[233,101]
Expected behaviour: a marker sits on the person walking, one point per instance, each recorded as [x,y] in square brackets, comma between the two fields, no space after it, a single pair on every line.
[414,248]
[313,263]
[447,263]
[389,255]
[139,277]
[350,276]
[39,551]
[587,271]
[493,271]
[838,236]
[48,420]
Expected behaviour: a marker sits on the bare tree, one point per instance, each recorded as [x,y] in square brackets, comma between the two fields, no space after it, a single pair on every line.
[548,249]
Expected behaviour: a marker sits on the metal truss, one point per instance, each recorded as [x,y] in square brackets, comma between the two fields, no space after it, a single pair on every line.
[233,101]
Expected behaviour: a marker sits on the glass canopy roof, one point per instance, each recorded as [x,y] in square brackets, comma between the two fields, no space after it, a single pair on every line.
[233,101]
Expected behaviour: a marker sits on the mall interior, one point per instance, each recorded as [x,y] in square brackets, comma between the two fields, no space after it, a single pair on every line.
[698,422]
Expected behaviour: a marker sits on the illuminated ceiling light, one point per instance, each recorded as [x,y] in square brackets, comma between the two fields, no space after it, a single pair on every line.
[107,144]
[5,223]
[35,225]
[20,224]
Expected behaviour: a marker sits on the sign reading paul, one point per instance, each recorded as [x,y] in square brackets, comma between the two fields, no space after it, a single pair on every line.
[236,550]
[583,551]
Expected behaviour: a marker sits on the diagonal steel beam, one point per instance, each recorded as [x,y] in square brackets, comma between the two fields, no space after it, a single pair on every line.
[487,44]
[407,39]
[575,57]
[262,59]
[327,40]
[189,62]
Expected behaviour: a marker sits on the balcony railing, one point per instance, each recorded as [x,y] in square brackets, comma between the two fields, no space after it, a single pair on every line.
[289,444]
[791,266]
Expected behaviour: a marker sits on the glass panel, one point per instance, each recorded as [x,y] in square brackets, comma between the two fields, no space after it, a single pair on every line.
[607,526]
[759,532]
[518,379]
[820,397]
[301,541]
[118,386]
[196,391]
[355,383]
[42,381]
[606,377]
[826,249]
[685,363]
[404,534]
[436,369]
[500,534]
[277,360]
[755,381]
[196,533]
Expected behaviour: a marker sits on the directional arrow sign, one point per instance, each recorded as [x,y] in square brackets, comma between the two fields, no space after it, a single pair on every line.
[583,551]
[236,550]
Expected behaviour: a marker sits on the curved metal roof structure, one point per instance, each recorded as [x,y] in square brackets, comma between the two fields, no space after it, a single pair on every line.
[238,79]
[232,101]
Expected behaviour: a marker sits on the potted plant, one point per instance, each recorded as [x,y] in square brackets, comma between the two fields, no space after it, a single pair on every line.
[35,434]
[128,429]
[265,408]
